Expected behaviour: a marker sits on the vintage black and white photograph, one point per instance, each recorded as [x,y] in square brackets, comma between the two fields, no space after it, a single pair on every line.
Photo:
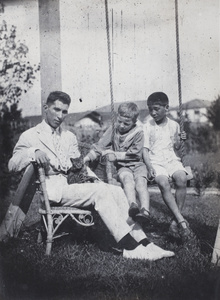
[109,150]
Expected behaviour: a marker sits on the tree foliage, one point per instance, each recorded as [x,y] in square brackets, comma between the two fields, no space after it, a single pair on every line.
[16,73]
[201,139]
[213,113]
[16,78]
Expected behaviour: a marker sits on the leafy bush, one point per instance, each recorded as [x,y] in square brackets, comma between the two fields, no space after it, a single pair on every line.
[201,138]
[214,113]
[204,177]
[218,179]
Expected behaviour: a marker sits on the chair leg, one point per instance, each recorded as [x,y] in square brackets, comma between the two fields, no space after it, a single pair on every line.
[49,234]
[39,237]
[48,247]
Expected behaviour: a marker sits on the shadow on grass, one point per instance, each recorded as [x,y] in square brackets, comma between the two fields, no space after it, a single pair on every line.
[82,266]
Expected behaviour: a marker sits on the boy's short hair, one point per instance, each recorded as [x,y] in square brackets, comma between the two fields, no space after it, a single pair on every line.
[129,110]
[158,98]
[58,95]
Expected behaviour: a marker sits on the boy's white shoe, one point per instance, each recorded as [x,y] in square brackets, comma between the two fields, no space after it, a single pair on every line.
[150,252]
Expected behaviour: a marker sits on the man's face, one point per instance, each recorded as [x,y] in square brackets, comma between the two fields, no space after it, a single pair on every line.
[56,113]
[124,124]
[158,112]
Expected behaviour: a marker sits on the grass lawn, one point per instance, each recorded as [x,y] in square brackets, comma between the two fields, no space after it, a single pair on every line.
[82,266]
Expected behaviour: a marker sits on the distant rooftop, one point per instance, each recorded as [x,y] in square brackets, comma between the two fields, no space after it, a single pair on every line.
[196,103]
[105,112]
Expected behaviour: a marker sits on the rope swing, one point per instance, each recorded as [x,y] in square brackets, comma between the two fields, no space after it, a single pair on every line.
[110,69]
[108,158]
[183,151]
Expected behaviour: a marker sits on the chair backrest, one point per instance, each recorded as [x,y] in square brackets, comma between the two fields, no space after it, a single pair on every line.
[19,206]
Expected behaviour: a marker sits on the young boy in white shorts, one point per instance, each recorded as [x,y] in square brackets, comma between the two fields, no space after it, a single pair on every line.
[162,140]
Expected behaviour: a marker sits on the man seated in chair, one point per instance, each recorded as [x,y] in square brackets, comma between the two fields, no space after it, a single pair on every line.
[52,147]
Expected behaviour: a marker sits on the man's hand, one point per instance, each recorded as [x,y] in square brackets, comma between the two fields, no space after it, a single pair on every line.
[41,158]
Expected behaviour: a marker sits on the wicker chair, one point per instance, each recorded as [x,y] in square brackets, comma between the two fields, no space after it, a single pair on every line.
[54,216]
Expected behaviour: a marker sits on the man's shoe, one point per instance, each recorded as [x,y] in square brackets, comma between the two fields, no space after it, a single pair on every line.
[143,217]
[133,210]
[150,252]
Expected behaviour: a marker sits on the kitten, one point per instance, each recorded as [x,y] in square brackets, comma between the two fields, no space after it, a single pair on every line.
[78,172]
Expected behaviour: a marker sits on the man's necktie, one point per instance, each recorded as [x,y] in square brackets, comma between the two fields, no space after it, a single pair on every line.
[59,150]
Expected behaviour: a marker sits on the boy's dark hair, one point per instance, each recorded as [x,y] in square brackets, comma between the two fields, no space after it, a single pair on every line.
[158,98]
[57,95]
[129,110]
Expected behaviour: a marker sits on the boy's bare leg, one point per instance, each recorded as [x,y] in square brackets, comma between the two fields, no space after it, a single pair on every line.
[143,194]
[168,197]
[143,216]
[182,226]
[180,182]
[127,180]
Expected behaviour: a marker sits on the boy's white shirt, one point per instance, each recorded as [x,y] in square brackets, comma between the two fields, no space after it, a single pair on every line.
[160,139]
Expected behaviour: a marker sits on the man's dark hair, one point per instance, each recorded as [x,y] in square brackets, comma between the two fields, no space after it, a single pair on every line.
[57,95]
[158,98]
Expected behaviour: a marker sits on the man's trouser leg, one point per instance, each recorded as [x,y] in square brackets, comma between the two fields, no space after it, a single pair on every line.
[109,201]
[98,195]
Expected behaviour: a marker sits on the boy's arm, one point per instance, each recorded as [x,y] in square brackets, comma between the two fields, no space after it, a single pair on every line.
[134,151]
[146,159]
[97,148]
[179,137]
[146,156]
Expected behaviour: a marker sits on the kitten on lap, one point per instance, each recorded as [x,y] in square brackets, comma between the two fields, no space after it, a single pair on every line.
[78,172]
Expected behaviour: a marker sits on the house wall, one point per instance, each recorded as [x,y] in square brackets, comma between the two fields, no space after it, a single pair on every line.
[136,62]
[194,115]
[197,114]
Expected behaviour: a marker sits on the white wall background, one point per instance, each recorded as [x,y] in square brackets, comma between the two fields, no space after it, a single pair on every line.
[143,47]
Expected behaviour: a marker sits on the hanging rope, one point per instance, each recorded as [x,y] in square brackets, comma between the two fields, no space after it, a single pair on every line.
[108,163]
[183,151]
[179,80]
[110,70]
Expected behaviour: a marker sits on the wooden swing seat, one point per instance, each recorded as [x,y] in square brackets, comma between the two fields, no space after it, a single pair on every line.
[111,175]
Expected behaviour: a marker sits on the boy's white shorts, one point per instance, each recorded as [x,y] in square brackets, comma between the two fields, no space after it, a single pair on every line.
[169,169]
